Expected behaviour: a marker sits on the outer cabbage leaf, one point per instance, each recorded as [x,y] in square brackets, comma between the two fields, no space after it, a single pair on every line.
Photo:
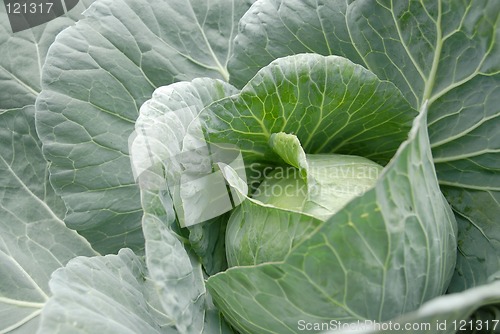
[477,242]
[272,29]
[443,51]
[458,71]
[110,294]
[383,255]
[33,238]
[96,76]
[23,54]
[178,278]
[29,209]
[160,132]
[448,314]
[174,268]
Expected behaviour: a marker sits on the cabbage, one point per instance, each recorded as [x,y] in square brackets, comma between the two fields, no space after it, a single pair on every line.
[317,185]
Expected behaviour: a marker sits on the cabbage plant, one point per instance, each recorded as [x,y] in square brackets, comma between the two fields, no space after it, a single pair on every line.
[326,254]
[269,166]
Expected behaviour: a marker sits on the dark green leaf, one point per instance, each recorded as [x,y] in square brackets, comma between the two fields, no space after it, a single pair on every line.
[329,103]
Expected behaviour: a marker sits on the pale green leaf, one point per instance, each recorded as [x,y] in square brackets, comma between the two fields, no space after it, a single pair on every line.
[33,238]
[23,54]
[110,294]
[288,148]
[272,29]
[260,233]
[179,280]
[158,144]
[96,76]
[29,209]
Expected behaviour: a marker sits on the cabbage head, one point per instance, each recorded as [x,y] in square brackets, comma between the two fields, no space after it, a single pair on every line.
[327,204]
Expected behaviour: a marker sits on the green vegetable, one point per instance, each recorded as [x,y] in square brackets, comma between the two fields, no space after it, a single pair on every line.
[331,182]
[317,185]
[268,166]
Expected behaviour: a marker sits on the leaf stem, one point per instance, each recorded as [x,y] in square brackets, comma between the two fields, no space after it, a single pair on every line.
[21,303]
[429,85]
